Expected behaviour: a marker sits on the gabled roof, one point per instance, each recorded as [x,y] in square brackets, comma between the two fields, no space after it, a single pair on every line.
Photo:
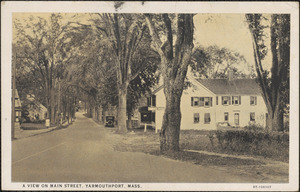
[230,87]
[157,89]
[31,99]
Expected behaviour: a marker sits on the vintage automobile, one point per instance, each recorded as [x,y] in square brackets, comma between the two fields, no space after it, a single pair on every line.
[224,125]
[227,126]
[109,121]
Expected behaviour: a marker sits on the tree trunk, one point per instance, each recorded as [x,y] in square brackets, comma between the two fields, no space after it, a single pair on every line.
[169,136]
[70,110]
[174,63]
[275,121]
[100,114]
[52,105]
[122,109]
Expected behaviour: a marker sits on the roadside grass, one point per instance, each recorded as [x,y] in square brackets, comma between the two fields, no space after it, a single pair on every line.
[139,141]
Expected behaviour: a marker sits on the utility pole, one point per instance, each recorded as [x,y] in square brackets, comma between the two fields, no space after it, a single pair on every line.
[13,113]
[58,104]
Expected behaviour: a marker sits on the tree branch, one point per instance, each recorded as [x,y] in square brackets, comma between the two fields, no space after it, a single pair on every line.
[156,40]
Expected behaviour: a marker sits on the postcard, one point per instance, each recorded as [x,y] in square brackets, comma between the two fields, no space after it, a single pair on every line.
[150,96]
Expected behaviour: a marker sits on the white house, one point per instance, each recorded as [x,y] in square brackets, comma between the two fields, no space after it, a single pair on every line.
[35,109]
[208,103]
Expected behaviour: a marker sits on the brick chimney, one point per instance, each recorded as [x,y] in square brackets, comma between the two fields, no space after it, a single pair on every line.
[230,75]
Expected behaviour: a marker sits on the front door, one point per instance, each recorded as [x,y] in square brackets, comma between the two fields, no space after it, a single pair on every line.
[236,119]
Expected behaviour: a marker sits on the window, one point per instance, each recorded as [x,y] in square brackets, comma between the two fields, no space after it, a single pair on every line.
[225,100]
[196,118]
[252,116]
[236,118]
[207,101]
[195,101]
[153,100]
[236,100]
[226,116]
[201,101]
[207,118]
[253,100]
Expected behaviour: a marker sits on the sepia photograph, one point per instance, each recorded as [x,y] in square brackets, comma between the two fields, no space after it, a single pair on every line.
[183,96]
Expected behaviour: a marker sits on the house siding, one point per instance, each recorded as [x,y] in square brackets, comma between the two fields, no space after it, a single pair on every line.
[244,110]
[216,111]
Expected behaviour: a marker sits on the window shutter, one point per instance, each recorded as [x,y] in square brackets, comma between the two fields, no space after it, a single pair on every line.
[217,100]
[148,101]
[229,100]
[210,103]
[255,100]
[222,100]
[192,101]
[240,100]
[154,100]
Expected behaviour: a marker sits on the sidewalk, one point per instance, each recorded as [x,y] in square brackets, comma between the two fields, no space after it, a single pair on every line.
[20,133]
[238,157]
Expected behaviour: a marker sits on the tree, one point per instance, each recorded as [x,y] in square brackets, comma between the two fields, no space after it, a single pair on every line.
[124,33]
[47,46]
[214,62]
[274,82]
[175,59]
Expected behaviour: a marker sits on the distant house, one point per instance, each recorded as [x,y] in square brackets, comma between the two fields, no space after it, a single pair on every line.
[17,106]
[36,111]
[208,103]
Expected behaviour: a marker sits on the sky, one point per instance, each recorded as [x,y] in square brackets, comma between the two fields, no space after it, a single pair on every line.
[225,30]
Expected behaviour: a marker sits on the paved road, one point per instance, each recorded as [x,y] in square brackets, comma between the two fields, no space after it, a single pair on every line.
[83,152]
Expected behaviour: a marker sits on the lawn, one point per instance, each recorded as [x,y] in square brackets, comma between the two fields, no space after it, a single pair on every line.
[33,126]
[148,142]
[259,167]
[267,147]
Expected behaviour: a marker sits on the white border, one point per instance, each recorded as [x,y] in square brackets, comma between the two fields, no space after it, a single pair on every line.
[7,8]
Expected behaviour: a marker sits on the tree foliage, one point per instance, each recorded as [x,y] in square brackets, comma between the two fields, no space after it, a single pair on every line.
[126,36]
[45,46]
[214,62]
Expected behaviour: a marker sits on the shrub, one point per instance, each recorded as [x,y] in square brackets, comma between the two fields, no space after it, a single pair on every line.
[254,127]
[268,144]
